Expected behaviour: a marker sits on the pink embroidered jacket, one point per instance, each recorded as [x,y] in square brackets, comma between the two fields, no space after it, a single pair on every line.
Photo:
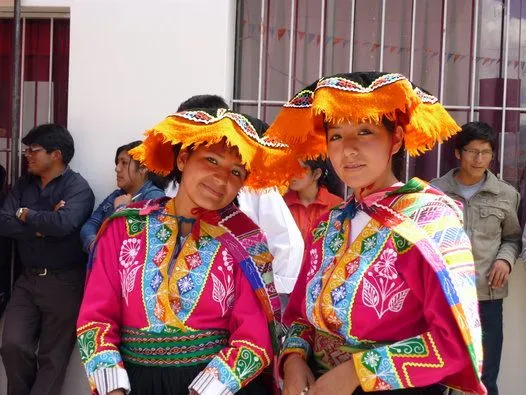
[144,294]
[399,300]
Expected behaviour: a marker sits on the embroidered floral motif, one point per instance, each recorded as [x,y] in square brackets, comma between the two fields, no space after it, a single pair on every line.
[193,260]
[213,371]
[129,250]
[156,281]
[369,243]
[164,233]
[248,364]
[134,224]
[383,293]
[336,243]
[413,346]
[185,284]
[351,267]
[130,266]
[316,289]
[223,290]
[320,230]
[385,267]
[383,296]
[338,294]
[159,311]
[86,342]
[160,255]
[371,359]
[313,263]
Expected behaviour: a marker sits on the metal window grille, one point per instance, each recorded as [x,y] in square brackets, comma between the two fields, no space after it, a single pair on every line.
[460,49]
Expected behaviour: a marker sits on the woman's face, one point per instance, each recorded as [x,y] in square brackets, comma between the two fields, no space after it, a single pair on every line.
[212,176]
[361,154]
[308,179]
[129,176]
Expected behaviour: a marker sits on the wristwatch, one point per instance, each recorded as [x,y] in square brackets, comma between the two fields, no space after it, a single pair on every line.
[20,212]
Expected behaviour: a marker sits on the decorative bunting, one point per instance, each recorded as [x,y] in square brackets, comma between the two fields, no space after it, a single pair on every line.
[256,29]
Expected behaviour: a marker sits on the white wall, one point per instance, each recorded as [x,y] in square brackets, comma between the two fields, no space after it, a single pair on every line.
[511,377]
[132,63]
[47,3]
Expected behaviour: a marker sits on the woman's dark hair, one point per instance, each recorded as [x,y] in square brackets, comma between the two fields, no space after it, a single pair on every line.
[328,177]
[176,175]
[203,101]
[398,159]
[474,131]
[52,137]
[159,181]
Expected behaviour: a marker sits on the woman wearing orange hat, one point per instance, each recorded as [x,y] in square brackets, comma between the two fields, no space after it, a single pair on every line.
[180,297]
[386,299]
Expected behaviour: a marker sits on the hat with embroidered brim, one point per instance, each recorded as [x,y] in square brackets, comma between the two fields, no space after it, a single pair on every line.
[362,97]
[265,159]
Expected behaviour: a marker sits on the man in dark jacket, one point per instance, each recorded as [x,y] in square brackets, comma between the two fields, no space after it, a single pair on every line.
[491,222]
[5,250]
[43,213]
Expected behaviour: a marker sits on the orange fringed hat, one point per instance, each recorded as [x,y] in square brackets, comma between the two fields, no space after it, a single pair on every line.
[357,98]
[264,158]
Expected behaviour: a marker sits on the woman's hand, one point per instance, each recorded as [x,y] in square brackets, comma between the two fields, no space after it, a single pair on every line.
[122,200]
[296,375]
[117,392]
[341,380]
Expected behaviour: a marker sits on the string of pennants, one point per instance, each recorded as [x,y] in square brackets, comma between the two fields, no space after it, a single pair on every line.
[255,28]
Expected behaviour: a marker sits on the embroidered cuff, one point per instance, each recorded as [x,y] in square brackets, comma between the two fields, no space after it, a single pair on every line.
[375,370]
[207,384]
[110,379]
[296,344]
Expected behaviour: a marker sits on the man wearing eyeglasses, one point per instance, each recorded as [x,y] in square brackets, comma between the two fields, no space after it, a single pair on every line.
[491,222]
[43,214]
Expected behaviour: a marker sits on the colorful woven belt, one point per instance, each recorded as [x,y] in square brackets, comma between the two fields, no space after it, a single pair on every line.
[171,349]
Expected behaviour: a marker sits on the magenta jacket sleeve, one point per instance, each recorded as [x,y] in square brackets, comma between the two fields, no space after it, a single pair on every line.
[249,350]
[99,321]
[300,334]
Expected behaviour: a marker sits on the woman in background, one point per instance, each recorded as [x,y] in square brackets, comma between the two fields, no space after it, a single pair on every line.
[314,194]
[134,183]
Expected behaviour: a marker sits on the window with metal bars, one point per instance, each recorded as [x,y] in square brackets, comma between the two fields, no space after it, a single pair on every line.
[44,76]
[460,51]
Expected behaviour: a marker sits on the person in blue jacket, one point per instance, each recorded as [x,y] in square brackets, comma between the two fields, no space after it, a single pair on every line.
[134,183]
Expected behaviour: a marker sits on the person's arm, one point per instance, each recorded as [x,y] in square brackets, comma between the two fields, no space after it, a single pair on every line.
[154,193]
[79,201]
[89,230]
[510,246]
[99,321]
[300,333]
[426,358]
[444,288]
[249,350]
[11,225]
[523,253]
